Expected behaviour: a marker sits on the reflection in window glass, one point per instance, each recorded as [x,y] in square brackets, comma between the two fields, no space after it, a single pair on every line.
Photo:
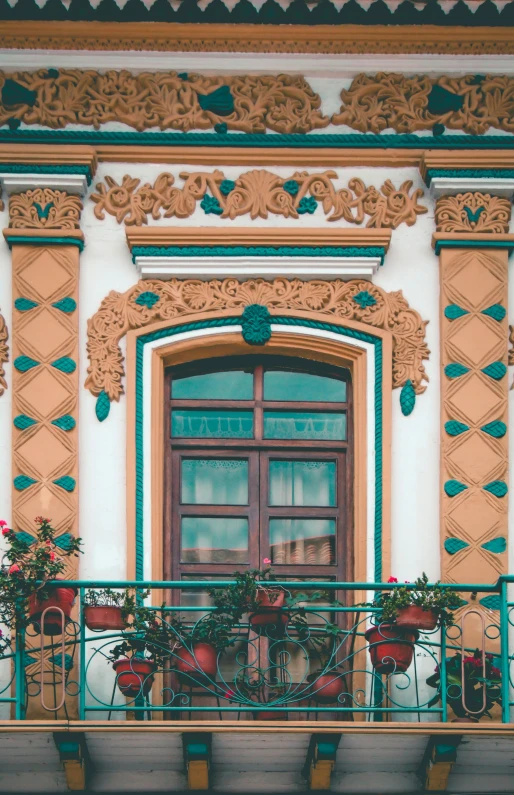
[214,481]
[302,483]
[227,385]
[285,385]
[304,425]
[212,423]
[206,539]
[302,541]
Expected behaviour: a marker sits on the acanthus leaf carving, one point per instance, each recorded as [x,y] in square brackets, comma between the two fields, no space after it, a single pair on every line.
[473,212]
[258,193]
[44,208]
[173,299]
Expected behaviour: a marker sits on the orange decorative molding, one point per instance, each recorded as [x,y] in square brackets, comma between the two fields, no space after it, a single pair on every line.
[473,212]
[325,39]
[247,103]
[151,301]
[471,159]
[49,155]
[4,353]
[474,451]
[44,208]
[472,103]
[258,193]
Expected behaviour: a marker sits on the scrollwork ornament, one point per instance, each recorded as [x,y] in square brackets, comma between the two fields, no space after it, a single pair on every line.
[44,208]
[4,353]
[177,299]
[473,212]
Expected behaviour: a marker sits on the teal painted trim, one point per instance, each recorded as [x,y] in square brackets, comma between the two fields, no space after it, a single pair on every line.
[472,173]
[25,304]
[258,251]
[24,168]
[234,321]
[467,243]
[261,140]
[44,241]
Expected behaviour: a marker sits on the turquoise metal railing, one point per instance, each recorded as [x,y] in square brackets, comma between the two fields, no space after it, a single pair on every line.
[272,670]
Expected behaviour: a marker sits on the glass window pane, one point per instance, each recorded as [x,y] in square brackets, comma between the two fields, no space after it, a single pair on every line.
[214,481]
[302,483]
[212,423]
[304,425]
[214,539]
[302,541]
[285,385]
[227,385]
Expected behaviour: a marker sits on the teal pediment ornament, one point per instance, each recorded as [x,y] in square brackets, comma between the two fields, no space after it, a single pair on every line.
[256,324]
[219,101]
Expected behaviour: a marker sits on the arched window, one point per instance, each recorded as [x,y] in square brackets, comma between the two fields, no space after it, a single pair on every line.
[258,464]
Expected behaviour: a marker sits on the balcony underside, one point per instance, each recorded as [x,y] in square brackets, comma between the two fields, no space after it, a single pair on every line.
[369,758]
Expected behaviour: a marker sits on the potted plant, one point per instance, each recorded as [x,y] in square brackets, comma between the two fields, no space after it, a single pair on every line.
[391,648]
[473,685]
[106,609]
[253,593]
[420,607]
[198,647]
[24,579]
[144,649]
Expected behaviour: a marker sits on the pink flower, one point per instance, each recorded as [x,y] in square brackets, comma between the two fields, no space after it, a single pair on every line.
[48,542]
[407,582]
[5,531]
[229,694]
[495,672]
[266,561]
[14,569]
[52,555]
[3,523]
[392,579]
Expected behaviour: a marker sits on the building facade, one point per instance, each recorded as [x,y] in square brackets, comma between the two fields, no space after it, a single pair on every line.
[254,297]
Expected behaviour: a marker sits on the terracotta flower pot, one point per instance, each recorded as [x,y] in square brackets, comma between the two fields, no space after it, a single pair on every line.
[134,676]
[103,617]
[391,648]
[265,715]
[268,611]
[198,664]
[327,688]
[59,597]
[414,617]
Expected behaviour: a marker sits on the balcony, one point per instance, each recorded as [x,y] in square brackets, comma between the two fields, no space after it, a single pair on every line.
[311,690]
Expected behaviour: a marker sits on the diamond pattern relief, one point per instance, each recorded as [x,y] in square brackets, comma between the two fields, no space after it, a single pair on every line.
[474,342]
[44,275]
[474,516]
[475,460]
[44,334]
[474,561]
[45,503]
[44,452]
[474,283]
[44,393]
[472,399]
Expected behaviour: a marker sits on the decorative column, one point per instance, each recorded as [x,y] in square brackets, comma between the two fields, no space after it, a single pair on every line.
[46,242]
[473,245]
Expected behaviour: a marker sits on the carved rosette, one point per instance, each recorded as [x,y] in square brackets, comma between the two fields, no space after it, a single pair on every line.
[154,301]
[167,100]
[44,208]
[473,103]
[258,194]
[473,212]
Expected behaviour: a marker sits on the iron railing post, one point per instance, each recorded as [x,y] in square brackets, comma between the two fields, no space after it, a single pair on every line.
[82,657]
[504,651]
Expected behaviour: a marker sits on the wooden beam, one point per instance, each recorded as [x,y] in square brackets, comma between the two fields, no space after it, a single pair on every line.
[75,759]
[440,756]
[197,758]
[320,761]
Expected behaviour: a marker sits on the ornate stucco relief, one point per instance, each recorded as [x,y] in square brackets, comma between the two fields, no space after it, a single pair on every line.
[153,301]
[44,208]
[4,353]
[474,452]
[258,194]
[472,103]
[473,212]
[167,100]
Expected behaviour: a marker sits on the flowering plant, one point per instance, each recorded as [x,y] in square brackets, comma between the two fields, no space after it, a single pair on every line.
[147,636]
[243,596]
[429,597]
[473,684]
[27,566]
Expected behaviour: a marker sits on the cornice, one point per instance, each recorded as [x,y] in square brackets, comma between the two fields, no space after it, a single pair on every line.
[470,240]
[207,236]
[491,160]
[326,39]
[41,154]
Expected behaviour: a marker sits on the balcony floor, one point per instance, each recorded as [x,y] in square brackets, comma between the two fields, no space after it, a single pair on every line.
[371,758]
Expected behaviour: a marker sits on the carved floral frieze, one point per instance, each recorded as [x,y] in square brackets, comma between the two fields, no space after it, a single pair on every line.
[44,208]
[167,100]
[258,194]
[151,301]
[472,103]
[4,353]
[473,212]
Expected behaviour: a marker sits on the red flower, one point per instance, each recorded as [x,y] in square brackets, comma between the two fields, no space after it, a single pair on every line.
[5,531]
[495,672]
[14,569]
[52,555]
[3,523]
[392,579]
